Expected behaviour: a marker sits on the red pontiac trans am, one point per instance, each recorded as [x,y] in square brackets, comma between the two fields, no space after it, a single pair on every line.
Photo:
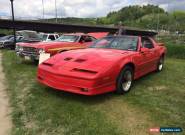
[110,64]
[63,43]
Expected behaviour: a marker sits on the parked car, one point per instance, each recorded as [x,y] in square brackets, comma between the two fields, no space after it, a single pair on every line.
[49,37]
[63,43]
[110,64]
[10,42]
[29,36]
[21,36]
[4,39]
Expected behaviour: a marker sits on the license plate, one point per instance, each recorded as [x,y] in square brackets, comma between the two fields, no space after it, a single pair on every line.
[27,58]
[43,57]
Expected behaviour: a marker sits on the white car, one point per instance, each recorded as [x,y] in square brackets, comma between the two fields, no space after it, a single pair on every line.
[49,37]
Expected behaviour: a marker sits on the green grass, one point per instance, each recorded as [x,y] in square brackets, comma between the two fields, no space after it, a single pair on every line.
[155,100]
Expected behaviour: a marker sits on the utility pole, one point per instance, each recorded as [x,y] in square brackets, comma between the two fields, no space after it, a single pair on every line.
[158,19]
[43,9]
[13,20]
[56,10]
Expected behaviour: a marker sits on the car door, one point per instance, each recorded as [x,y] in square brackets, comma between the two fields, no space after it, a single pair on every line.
[147,55]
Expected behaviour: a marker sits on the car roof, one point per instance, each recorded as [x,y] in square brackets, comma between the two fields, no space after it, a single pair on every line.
[26,31]
[49,34]
[122,36]
[75,34]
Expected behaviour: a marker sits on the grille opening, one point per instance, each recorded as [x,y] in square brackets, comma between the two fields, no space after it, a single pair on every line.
[47,64]
[68,59]
[84,70]
[29,49]
[80,60]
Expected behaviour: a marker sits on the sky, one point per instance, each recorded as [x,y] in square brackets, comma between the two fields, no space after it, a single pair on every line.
[33,9]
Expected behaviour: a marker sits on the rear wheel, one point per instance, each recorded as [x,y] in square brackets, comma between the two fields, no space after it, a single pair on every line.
[160,64]
[125,80]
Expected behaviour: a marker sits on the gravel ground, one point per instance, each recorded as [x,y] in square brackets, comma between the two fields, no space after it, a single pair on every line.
[5,119]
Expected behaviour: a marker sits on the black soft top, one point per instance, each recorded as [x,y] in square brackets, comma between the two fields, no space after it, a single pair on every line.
[135,32]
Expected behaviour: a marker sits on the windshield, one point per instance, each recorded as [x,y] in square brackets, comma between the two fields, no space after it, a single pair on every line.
[121,43]
[68,38]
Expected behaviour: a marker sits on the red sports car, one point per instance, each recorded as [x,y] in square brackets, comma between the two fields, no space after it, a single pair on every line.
[110,64]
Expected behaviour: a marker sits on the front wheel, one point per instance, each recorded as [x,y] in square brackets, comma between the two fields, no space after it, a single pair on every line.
[125,80]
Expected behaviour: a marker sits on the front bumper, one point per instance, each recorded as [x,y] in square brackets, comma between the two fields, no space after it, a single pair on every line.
[72,84]
[31,55]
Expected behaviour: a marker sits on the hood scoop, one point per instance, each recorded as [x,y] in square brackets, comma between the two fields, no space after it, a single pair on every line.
[68,59]
[84,71]
[47,64]
[80,60]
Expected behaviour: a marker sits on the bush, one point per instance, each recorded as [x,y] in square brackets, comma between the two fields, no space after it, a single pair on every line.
[175,51]
[175,45]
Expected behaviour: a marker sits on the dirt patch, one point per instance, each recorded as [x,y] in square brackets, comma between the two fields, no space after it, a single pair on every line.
[128,119]
[158,88]
[5,120]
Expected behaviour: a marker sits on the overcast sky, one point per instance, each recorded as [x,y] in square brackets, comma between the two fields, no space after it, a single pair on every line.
[79,8]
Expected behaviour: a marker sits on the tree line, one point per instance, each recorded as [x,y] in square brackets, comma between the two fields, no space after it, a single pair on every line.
[147,17]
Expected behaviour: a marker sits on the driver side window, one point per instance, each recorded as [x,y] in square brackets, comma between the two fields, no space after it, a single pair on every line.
[85,39]
[147,43]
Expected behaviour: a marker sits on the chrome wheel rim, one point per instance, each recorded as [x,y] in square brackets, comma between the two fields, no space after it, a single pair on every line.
[127,81]
[160,67]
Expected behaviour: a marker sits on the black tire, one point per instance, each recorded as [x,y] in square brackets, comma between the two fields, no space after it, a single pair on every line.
[121,81]
[36,62]
[160,64]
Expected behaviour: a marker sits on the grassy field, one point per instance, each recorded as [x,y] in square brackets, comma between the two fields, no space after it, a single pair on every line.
[155,100]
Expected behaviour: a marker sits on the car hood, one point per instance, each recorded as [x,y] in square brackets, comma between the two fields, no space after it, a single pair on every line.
[3,40]
[44,44]
[8,41]
[87,59]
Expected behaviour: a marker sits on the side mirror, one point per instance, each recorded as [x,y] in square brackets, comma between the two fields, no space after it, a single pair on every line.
[144,50]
